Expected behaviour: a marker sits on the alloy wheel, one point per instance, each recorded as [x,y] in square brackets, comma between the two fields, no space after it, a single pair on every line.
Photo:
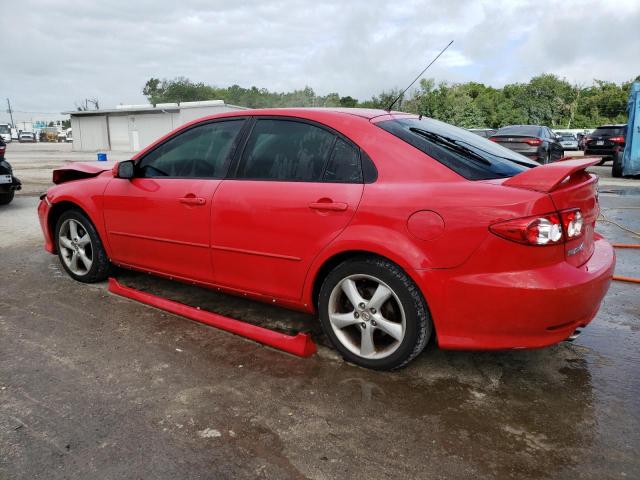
[367,316]
[75,247]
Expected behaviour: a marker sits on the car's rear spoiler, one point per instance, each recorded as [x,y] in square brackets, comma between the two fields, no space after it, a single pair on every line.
[546,178]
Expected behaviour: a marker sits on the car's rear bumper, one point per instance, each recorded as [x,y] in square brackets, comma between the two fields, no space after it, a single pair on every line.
[15,184]
[516,309]
[44,207]
[605,152]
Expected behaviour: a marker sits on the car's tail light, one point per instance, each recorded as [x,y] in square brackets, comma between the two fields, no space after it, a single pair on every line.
[537,230]
[572,222]
[493,139]
[533,141]
[619,139]
[549,229]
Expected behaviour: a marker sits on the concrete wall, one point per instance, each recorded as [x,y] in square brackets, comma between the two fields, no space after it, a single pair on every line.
[132,131]
[119,132]
[188,114]
[90,133]
[147,128]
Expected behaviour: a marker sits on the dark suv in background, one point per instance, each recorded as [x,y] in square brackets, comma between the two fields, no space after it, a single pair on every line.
[534,141]
[8,183]
[606,141]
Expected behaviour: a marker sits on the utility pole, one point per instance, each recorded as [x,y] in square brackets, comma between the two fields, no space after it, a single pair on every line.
[13,125]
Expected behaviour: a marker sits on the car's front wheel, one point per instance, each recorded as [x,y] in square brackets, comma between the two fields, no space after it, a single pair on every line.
[80,249]
[374,314]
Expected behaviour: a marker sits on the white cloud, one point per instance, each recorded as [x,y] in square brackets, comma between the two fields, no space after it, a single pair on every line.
[57,53]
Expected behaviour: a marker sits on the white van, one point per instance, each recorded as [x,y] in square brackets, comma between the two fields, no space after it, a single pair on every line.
[5,132]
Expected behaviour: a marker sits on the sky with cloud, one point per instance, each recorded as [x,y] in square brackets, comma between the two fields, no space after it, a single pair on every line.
[56,53]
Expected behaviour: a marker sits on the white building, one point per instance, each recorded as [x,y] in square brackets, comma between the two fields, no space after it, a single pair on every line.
[129,128]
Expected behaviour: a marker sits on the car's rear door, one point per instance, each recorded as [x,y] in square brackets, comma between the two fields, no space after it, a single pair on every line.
[159,220]
[296,187]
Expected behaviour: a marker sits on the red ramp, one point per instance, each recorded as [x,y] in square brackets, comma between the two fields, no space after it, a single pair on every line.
[301,344]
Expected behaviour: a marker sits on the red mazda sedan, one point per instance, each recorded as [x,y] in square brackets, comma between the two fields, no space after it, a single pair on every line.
[392,227]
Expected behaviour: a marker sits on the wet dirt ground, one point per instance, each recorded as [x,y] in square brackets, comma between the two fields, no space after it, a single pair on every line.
[96,386]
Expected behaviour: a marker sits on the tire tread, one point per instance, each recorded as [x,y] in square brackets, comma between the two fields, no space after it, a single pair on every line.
[423,321]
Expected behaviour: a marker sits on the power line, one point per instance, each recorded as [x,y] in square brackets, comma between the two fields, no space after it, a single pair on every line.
[41,113]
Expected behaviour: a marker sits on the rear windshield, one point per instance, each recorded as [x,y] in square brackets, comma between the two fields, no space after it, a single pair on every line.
[528,130]
[567,136]
[467,154]
[610,131]
[4,129]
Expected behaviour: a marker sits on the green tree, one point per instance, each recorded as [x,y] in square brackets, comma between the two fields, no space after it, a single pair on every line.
[544,100]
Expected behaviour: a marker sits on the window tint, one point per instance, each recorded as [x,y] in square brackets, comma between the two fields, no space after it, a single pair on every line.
[531,130]
[200,152]
[344,165]
[285,150]
[469,155]
[610,131]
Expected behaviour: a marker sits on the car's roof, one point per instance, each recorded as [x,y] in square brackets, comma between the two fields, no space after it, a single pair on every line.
[535,126]
[367,113]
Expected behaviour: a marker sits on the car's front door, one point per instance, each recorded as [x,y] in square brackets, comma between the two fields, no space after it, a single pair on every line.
[296,187]
[159,220]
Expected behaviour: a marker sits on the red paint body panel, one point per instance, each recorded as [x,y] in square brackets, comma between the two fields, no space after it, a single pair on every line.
[266,234]
[300,344]
[149,226]
[269,241]
[549,178]
[497,301]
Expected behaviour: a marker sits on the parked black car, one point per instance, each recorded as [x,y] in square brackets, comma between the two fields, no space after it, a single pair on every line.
[483,132]
[606,141]
[534,141]
[8,183]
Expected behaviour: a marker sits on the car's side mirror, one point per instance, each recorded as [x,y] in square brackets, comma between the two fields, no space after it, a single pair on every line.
[126,169]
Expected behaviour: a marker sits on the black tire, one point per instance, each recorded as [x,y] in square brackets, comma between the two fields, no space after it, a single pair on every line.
[418,324]
[6,198]
[616,169]
[100,266]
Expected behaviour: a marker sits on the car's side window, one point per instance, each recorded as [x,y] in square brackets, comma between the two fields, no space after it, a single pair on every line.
[285,150]
[344,164]
[200,152]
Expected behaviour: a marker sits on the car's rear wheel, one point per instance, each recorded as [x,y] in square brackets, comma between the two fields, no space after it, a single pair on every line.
[80,249]
[616,168]
[6,198]
[374,314]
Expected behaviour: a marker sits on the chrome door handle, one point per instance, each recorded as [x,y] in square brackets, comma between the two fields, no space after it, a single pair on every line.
[332,206]
[193,200]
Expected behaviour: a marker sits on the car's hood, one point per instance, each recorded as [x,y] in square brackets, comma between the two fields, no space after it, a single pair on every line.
[78,170]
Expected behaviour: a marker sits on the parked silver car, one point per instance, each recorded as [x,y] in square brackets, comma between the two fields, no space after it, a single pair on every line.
[568,141]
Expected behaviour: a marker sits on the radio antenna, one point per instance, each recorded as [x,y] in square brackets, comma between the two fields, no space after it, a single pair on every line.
[388,109]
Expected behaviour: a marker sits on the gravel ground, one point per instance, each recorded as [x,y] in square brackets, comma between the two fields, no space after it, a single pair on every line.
[97,386]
